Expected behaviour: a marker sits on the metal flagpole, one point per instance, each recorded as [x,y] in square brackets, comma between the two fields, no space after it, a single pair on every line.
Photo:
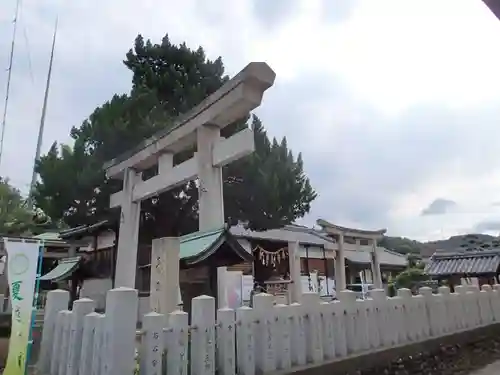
[9,75]
[42,120]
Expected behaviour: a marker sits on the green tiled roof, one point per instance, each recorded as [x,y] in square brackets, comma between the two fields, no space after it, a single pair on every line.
[197,246]
[195,243]
[63,270]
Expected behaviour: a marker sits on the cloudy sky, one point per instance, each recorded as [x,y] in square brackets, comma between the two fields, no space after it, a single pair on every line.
[394,104]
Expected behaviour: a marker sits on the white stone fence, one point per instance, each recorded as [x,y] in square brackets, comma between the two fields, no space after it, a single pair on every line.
[250,341]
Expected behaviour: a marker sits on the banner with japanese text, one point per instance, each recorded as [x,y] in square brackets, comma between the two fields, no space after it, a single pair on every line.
[22,261]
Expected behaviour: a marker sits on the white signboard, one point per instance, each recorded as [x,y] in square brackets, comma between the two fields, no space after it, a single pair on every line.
[311,286]
[326,288]
[246,287]
[233,289]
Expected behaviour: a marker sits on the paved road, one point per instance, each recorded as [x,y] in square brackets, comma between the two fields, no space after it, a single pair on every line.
[493,369]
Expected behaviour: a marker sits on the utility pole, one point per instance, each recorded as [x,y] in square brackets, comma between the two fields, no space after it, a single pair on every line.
[42,121]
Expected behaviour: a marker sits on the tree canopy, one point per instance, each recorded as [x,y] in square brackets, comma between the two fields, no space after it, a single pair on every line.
[15,217]
[267,189]
[401,245]
[477,242]
[411,278]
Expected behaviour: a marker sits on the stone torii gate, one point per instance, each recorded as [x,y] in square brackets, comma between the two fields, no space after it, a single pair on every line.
[340,233]
[200,126]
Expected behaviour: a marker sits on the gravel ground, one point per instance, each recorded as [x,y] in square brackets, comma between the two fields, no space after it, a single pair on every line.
[493,369]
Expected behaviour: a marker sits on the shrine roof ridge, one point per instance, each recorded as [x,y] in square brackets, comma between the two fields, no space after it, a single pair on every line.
[470,263]
[197,247]
[84,230]
[494,6]
[337,229]
[287,233]
[256,73]
[462,254]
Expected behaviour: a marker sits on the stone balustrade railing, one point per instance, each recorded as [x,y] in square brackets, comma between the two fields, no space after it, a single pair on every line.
[250,341]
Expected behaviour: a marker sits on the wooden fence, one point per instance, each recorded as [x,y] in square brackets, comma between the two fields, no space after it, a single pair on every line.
[249,341]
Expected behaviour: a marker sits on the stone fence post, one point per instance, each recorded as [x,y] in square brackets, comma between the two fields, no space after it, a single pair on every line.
[348,304]
[429,312]
[473,301]
[89,342]
[407,323]
[57,300]
[265,355]
[203,336]
[151,355]
[120,331]
[314,331]
[327,315]
[226,341]
[245,341]
[81,308]
[465,308]
[495,302]
[486,311]
[63,350]
[177,343]
[298,345]
[97,364]
[447,318]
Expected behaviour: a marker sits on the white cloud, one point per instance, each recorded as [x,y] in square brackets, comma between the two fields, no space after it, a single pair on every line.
[393,103]
[400,53]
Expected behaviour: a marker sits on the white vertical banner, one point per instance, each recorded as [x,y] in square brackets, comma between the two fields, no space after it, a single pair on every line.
[246,287]
[22,261]
[309,282]
[234,289]
[364,287]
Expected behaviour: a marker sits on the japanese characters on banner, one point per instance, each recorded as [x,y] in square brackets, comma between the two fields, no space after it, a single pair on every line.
[22,260]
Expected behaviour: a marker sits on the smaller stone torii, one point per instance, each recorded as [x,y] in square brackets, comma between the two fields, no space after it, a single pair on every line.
[201,126]
[339,233]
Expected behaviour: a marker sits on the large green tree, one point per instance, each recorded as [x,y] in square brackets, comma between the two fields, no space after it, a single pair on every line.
[267,189]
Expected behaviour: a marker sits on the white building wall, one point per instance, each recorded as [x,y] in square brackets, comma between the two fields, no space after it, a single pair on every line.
[315,252]
[104,240]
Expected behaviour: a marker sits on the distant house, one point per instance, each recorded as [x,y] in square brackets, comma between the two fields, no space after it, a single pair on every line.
[459,243]
[465,267]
